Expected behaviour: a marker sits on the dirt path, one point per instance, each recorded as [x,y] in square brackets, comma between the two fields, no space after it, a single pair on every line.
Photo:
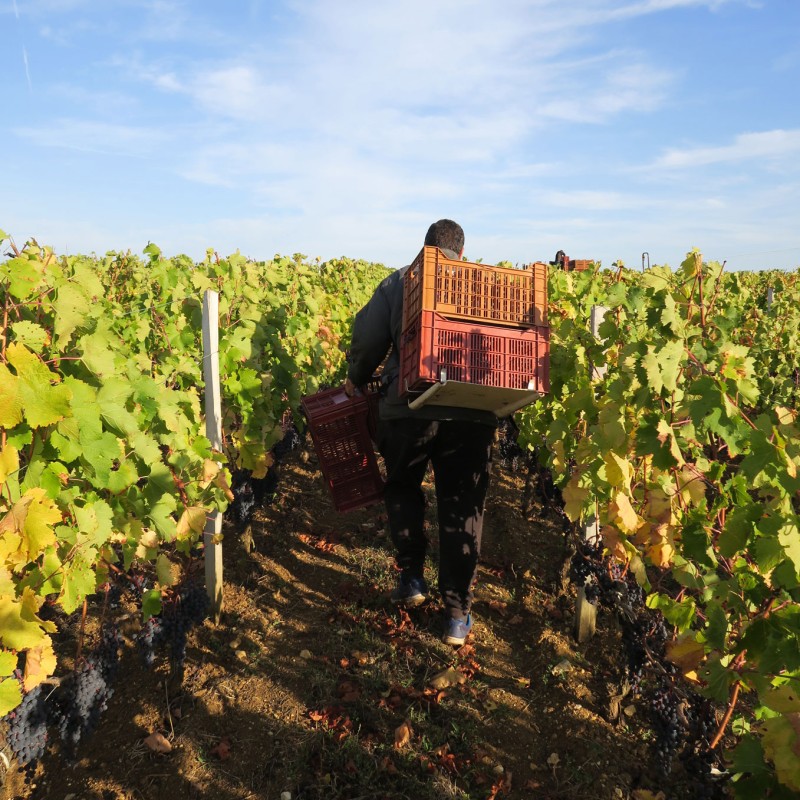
[314,685]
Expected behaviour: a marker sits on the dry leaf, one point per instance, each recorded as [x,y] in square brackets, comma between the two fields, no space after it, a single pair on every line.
[402,735]
[498,606]
[158,743]
[446,678]
[222,751]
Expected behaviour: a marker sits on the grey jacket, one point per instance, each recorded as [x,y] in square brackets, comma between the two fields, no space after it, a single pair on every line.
[376,331]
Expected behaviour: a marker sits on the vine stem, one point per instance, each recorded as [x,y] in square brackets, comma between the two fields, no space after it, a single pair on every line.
[737,664]
[728,714]
[83,629]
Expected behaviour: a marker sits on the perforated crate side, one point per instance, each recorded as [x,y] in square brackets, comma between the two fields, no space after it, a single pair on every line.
[475,292]
[339,427]
[481,354]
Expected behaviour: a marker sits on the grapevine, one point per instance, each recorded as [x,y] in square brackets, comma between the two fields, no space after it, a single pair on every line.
[689,449]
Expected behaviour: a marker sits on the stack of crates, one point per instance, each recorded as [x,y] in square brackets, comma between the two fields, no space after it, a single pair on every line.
[342,429]
[475,324]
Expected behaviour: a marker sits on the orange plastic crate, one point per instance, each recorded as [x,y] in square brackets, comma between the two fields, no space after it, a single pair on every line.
[340,430]
[477,292]
[488,355]
[580,264]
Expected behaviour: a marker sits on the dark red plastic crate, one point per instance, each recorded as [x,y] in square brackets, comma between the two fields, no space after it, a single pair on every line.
[340,428]
[488,355]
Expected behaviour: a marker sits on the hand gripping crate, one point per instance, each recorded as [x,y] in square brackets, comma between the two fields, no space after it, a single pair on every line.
[468,365]
[474,292]
[341,429]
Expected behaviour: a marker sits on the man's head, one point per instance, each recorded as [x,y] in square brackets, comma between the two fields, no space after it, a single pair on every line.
[446,235]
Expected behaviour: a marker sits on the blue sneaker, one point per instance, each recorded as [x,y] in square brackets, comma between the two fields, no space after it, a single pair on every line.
[410,591]
[457,630]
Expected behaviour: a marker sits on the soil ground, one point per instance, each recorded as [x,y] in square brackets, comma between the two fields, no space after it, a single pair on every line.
[313,685]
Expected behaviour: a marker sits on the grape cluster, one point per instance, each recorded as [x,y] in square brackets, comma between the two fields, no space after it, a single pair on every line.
[85,694]
[512,456]
[27,726]
[668,725]
[186,608]
[291,441]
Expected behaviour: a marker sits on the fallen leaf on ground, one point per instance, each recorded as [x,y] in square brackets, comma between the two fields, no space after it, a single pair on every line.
[158,743]
[498,606]
[402,735]
[222,751]
[447,677]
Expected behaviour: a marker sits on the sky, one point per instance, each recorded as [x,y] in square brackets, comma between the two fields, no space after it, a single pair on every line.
[616,130]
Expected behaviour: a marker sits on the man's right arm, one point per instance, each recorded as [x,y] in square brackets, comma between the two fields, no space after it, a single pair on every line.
[371,339]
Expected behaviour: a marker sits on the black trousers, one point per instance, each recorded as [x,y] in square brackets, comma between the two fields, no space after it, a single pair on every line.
[460,453]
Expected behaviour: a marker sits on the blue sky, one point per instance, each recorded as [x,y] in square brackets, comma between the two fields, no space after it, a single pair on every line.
[606,128]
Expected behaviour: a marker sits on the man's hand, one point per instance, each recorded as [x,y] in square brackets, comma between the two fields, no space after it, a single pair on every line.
[349,388]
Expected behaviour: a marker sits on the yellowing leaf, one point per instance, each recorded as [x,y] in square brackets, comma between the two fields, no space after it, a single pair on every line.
[43,400]
[10,695]
[40,663]
[619,471]
[686,653]
[193,519]
[42,514]
[575,497]
[692,485]
[613,542]
[8,663]
[20,628]
[9,462]
[628,519]
[662,549]
[10,401]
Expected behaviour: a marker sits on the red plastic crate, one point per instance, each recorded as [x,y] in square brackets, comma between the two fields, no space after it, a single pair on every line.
[340,430]
[474,292]
[488,355]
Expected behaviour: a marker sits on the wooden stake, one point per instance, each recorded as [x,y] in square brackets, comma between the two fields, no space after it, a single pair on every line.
[586,612]
[213,529]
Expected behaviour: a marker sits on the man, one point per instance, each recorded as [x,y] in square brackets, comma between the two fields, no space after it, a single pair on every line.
[456,441]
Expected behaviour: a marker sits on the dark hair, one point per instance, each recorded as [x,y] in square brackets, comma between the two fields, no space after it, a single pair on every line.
[447,235]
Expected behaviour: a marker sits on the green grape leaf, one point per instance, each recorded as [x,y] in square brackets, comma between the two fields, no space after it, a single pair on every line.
[151,603]
[739,527]
[783,699]
[122,477]
[23,274]
[43,400]
[781,741]
[165,571]
[97,353]
[79,581]
[160,515]
[33,336]
[111,399]
[95,523]
[71,308]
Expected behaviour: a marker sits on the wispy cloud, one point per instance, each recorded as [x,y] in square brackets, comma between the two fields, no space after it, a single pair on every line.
[27,69]
[763,146]
[95,137]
